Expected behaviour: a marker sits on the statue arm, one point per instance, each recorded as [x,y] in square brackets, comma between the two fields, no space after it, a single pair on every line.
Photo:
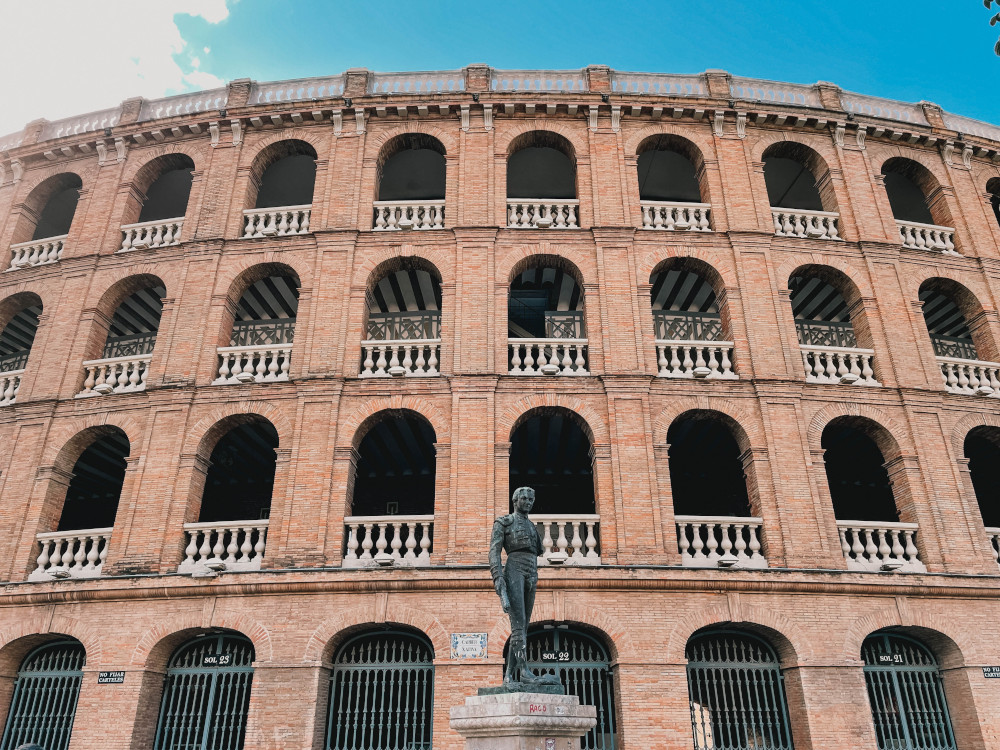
[496,545]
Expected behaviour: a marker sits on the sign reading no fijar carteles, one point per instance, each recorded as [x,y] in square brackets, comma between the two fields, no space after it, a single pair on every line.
[468,645]
[991,672]
[110,678]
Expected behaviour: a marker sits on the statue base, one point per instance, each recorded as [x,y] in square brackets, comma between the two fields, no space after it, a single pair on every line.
[522,721]
[523,687]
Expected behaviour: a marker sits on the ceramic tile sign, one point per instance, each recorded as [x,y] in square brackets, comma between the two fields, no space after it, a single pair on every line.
[468,645]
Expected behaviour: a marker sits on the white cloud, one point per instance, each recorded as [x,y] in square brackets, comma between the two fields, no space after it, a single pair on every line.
[66,57]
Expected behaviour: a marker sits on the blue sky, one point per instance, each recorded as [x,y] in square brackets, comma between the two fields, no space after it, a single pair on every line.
[937,50]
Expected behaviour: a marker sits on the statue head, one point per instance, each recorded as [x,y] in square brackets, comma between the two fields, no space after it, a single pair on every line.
[524,499]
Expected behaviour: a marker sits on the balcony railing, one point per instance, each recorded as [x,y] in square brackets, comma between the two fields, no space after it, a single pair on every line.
[826,333]
[14,361]
[838,365]
[396,540]
[253,364]
[817,225]
[129,345]
[719,542]
[993,533]
[676,217]
[71,554]
[10,384]
[543,213]
[276,222]
[262,332]
[404,326]
[391,215]
[115,375]
[148,234]
[229,546]
[970,376]
[548,356]
[412,358]
[36,252]
[880,546]
[678,325]
[569,539]
[695,359]
[954,347]
[927,237]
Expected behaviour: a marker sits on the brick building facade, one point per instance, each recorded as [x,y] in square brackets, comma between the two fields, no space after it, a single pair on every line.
[775,350]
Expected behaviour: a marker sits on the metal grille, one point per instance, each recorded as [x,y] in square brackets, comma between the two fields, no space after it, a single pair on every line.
[582,665]
[132,345]
[45,694]
[263,332]
[563,324]
[736,694]
[206,695]
[675,325]
[953,346]
[15,361]
[382,693]
[906,695]
[404,326]
[826,333]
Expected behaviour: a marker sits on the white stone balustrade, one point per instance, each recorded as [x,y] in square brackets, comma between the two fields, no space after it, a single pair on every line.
[970,376]
[541,213]
[927,237]
[676,217]
[396,540]
[276,222]
[410,357]
[394,215]
[720,542]
[224,545]
[695,359]
[548,356]
[10,384]
[878,546]
[993,533]
[71,554]
[36,252]
[835,364]
[568,539]
[253,364]
[151,234]
[115,375]
[817,225]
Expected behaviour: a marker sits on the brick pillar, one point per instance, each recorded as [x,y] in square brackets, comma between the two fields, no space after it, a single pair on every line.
[239,93]
[301,691]
[828,707]
[130,110]
[356,82]
[718,83]
[115,716]
[598,78]
[477,77]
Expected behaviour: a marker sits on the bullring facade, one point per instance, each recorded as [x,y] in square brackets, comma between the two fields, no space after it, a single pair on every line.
[274,356]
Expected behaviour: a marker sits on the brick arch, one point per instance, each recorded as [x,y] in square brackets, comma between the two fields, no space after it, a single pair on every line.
[983,172]
[317,138]
[196,151]
[269,262]
[879,154]
[820,145]
[36,177]
[581,260]
[435,255]
[16,299]
[59,442]
[446,136]
[895,430]
[784,635]
[595,422]
[700,138]
[155,646]
[961,429]
[42,625]
[854,274]
[654,258]
[749,422]
[913,282]
[332,631]
[422,406]
[963,649]
[200,434]
[577,137]
[124,282]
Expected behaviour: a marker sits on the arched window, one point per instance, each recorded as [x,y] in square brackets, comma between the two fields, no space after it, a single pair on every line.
[993,190]
[404,321]
[920,210]
[411,184]
[392,495]
[982,449]
[671,173]
[906,695]
[260,340]
[802,200]
[545,323]
[46,692]
[128,349]
[819,297]
[282,179]
[583,666]
[541,182]
[155,215]
[736,693]
[206,694]
[715,524]
[382,692]
[21,313]
[46,216]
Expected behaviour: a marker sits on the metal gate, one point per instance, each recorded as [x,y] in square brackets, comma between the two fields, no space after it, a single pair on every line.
[382,693]
[43,706]
[736,693]
[906,695]
[206,694]
[582,664]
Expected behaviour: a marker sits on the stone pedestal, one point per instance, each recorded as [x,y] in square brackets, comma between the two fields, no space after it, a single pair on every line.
[523,721]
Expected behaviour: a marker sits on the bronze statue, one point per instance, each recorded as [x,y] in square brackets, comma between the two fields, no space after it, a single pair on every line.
[515,584]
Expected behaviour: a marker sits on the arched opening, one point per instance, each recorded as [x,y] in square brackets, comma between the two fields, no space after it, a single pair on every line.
[822,301]
[280,191]
[263,326]
[993,191]
[46,691]
[919,206]
[545,321]
[906,694]
[410,183]
[19,315]
[581,660]
[167,196]
[382,692]
[672,171]
[403,320]
[392,492]
[541,182]
[736,692]
[128,348]
[206,694]
[49,209]
[803,203]
[96,484]
[982,449]
[154,215]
